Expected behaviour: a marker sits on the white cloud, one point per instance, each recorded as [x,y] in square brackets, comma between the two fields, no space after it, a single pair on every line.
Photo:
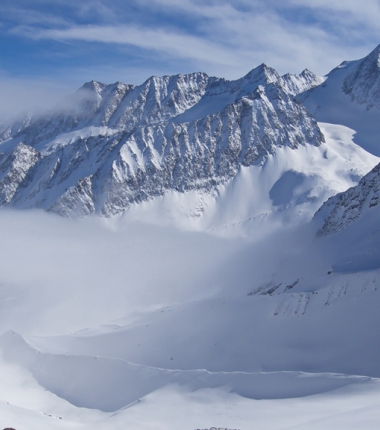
[172,43]
[262,30]
[228,40]
[224,38]
[76,269]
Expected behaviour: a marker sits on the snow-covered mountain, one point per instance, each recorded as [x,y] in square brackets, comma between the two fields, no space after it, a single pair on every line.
[109,147]
[350,96]
[106,147]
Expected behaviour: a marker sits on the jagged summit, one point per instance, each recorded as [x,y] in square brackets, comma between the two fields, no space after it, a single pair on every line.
[268,74]
[158,99]
[297,84]
[93,86]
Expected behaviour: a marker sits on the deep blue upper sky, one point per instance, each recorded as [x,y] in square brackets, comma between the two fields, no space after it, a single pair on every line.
[51,47]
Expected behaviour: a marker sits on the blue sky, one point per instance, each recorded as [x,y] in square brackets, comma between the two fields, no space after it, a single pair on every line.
[50,48]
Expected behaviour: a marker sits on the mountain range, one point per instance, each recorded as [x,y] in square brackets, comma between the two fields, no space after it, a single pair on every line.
[107,147]
[259,311]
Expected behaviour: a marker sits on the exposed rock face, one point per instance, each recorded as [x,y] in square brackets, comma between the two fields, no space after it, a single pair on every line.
[108,146]
[344,208]
[15,171]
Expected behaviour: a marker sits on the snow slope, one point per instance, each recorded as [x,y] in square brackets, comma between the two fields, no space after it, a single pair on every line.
[350,96]
[344,208]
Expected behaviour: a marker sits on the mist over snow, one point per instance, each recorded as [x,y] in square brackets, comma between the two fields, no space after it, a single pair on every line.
[88,273]
[105,313]
[86,300]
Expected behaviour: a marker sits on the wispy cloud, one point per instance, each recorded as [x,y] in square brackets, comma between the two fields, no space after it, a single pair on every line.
[225,38]
[172,43]
[352,10]
[231,37]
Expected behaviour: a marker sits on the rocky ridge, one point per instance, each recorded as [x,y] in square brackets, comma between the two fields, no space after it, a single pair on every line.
[341,210]
[108,146]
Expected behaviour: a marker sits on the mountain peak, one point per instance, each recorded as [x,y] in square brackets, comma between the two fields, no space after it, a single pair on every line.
[124,148]
[308,73]
[93,86]
[263,72]
[374,53]
[297,84]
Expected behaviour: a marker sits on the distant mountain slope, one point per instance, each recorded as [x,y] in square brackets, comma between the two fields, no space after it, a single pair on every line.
[350,96]
[344,208]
